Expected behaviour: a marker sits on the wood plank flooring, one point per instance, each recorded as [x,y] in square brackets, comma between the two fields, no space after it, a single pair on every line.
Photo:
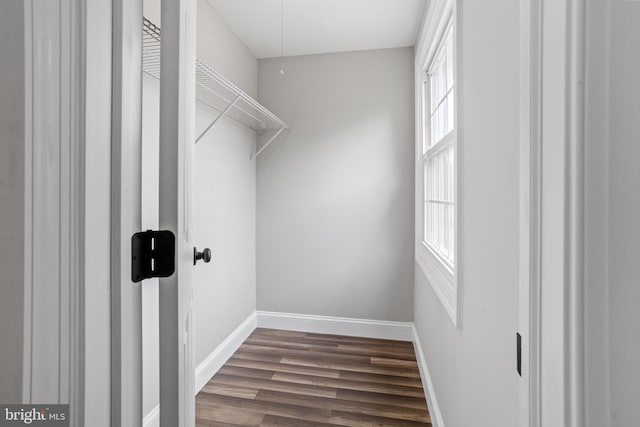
[298,379]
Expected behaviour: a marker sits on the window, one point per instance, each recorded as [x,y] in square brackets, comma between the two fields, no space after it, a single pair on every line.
[439,152]
[437,156]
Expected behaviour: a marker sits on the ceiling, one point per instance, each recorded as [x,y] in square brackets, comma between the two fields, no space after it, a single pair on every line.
[322,26]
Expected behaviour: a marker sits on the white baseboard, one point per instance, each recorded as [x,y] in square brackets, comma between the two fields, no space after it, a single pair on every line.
[209,366]
[152,419]
[434,409]
[336,325]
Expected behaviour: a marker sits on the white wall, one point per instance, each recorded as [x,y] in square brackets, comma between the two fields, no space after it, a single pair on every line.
[612,230]
[335,199]
[473,367]
[12,208]
[224,203]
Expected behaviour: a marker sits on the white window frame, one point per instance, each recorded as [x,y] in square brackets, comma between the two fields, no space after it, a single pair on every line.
[445,277]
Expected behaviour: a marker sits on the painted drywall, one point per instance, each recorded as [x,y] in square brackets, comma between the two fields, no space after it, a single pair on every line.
[335,198]
[223,207]
[612,209]
[473,366]
[12,207]
[97,220]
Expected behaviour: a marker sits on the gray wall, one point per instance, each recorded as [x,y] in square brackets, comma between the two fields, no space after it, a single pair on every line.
[12,160]
[335,199]
[224,203]
[473,367]
[612,230]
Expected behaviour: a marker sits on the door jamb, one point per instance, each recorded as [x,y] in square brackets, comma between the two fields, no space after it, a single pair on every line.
[569,359]
[126,317]
[530,198]
[177,114]
[575,210]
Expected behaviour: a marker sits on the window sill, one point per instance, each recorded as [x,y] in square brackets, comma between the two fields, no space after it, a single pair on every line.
[442,280]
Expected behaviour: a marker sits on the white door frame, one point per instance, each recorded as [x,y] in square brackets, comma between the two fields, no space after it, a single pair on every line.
[529,278]
[53,350]
[551,217]
[177,144]
[126,217]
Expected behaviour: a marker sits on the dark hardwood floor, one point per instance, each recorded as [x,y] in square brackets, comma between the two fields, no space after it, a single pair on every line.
[283,378]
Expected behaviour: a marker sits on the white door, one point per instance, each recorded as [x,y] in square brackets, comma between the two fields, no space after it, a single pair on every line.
[177,141]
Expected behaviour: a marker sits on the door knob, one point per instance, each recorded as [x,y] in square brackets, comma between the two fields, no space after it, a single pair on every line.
[205,255]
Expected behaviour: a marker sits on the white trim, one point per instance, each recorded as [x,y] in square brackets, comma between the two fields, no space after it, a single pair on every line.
[152,419]
[380,329]
[440,278]
[97,221]
[28,199]
[575,214]
[177,114]
[430,393]
[126,146]
[53,369]
[530,193]
[76,211]
[218,357]
[212,363]
[561,172]
[446,285]
[431,27]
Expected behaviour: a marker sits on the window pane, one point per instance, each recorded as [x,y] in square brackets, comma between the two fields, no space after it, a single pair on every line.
[426,131]
[439,202]
[450,113]
[449,60]
[441,99]
[433,80]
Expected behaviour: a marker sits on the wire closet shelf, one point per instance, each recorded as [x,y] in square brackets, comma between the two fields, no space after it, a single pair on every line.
[214,90]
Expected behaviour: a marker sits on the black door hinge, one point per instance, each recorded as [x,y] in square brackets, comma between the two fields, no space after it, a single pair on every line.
[153,254]
[519,353]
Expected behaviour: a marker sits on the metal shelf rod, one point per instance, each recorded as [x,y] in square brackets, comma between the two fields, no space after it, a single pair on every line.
[218,118]
[277,134]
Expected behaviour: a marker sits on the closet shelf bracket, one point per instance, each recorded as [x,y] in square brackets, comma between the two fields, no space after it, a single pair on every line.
[221,115]
[273,138]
